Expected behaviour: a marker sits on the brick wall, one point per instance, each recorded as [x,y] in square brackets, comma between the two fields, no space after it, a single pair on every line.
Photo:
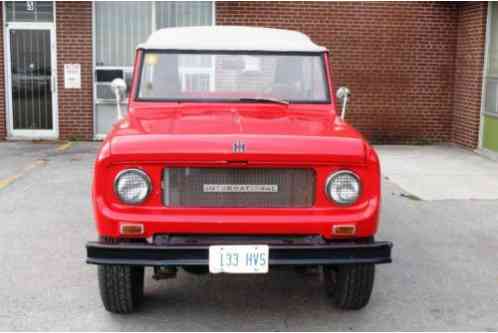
[74,46]
[469,64]
[415,69]
[397,59]
[3,124]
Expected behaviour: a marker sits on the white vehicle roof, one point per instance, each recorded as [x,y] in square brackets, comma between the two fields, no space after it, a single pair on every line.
[230,38]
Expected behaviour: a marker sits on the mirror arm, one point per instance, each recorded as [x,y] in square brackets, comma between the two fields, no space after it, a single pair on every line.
[118,104]
[344,106]
[343,93]
[118,86]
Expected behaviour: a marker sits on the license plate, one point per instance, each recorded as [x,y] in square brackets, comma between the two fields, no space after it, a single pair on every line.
[238,259]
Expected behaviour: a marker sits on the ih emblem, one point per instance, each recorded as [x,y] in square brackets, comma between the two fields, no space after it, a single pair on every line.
[239,147]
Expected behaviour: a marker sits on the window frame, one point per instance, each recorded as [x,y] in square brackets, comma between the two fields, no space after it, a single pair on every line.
[320,54]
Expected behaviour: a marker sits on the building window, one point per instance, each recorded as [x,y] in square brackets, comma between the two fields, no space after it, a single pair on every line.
[181,14]
[120,26]
[491,80]
[29,11]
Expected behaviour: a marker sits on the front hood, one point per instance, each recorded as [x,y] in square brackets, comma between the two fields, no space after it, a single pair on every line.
[269,133]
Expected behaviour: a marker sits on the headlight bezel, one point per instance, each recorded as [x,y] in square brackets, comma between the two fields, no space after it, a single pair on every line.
[328,183]
[142,174]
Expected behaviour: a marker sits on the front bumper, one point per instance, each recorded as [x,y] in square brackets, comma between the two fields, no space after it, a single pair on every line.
[330,253]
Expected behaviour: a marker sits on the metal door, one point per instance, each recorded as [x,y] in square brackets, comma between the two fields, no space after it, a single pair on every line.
[31,80]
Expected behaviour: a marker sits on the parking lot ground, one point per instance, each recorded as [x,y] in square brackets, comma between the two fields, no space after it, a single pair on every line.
[444,274]
[440,172]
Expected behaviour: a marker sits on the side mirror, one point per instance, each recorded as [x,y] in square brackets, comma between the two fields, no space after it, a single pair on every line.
[118,86]
[343,94]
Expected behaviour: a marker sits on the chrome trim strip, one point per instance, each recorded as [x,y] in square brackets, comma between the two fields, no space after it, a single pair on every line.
[166,187]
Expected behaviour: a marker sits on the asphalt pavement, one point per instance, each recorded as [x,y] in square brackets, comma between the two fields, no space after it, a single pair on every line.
[444,274]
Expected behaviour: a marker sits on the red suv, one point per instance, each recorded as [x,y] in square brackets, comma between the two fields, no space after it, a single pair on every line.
[232,159]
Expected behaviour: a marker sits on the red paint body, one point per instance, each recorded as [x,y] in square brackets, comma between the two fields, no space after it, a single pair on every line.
[155,134]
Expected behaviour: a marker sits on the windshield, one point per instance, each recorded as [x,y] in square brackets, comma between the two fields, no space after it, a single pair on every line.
[235,77]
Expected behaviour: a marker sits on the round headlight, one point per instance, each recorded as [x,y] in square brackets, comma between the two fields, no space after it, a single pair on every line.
[132,186]
[343,187]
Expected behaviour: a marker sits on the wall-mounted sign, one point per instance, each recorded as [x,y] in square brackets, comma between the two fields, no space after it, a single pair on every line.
[72,76]
[30,6]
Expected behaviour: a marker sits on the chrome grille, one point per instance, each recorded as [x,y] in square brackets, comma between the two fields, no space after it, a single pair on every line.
[220,187]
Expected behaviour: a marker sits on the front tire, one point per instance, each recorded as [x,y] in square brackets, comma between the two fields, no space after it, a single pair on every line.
[121,287]
[350,286]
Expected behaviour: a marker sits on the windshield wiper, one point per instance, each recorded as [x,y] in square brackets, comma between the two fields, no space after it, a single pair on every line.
[264,100]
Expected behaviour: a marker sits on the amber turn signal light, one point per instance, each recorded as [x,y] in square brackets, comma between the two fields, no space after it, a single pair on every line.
[344,229]
[131,229]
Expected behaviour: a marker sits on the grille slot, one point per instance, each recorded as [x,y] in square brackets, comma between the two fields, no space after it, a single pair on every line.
[185,187]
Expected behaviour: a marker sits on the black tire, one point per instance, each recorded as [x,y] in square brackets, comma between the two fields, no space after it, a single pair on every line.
[350,286]
[330,280]
[121,287]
